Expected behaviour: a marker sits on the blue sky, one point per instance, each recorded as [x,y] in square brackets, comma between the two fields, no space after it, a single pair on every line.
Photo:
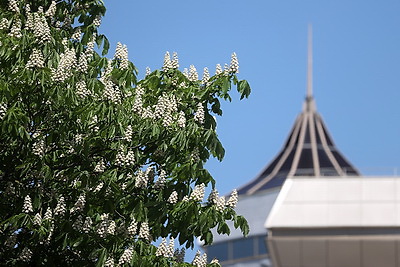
[356,70]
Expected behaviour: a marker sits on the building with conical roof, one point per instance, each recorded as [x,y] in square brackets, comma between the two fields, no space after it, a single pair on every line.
[309,151]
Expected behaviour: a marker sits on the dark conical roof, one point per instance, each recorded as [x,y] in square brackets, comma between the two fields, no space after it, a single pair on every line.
[308,151]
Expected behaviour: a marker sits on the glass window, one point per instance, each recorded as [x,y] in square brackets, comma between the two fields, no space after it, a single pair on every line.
[262,248]
[243,248]
[218,250]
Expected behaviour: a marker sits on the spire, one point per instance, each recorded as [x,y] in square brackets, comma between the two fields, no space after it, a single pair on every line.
[309,103]
[309,150]
[309,64]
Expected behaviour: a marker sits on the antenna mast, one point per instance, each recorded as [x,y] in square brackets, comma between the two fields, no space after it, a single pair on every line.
[310,64]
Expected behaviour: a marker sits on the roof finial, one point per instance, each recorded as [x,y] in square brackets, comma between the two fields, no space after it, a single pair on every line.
[310,68]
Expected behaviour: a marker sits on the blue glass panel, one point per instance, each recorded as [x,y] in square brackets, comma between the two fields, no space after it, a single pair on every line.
[218,250]
[243,248]
[262,248]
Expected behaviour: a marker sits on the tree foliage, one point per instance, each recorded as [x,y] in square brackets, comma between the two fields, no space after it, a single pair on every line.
[95,164]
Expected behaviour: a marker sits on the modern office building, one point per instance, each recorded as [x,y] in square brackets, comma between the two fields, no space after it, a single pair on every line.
[312,207]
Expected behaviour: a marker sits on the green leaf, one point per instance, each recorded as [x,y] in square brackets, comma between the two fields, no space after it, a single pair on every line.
[106,46]
[244,226]
[223,228]
[244,89]
[102,257]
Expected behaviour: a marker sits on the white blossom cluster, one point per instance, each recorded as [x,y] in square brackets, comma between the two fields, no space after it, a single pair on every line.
[41,28]
[148,70]
[4,24]
[13,6]
[175,60]
[148,113]
[97,21]
[87,225]
[132,229]
[126,256]
[206,76]
[26,255]
[29,23]
[27,206]
[179,255]
[141,179]
[109,262]
[195,155]
[79,204]
[181,119]
[144,231]
[165,107]
[37,23]
[102,228]
[106,72]
[165,250]
[81,89]
[78,138]
[173,198]
[218,69]
[138,102]
[213,197]
[16,29]
[98,187]
[65,66]
[128,133]
[124,185]
[76,182]
[193,75]
[76,36]
[3,110]
[160,183]
[234,67]
[167,62]
[111,91]
[185,72]
[51,231]
[100,167]
[199,116]
[121,55]
[48,215]
[61,207]
[35,60]
[170,63]
[93,124]
[77,225]
[38,146]
[37,219]
[51,11]
[233,199]
[200,260]
[90,46]
[220,203]
[83,62]
[111,227]
[125,159]
[198,193]
[226,69]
